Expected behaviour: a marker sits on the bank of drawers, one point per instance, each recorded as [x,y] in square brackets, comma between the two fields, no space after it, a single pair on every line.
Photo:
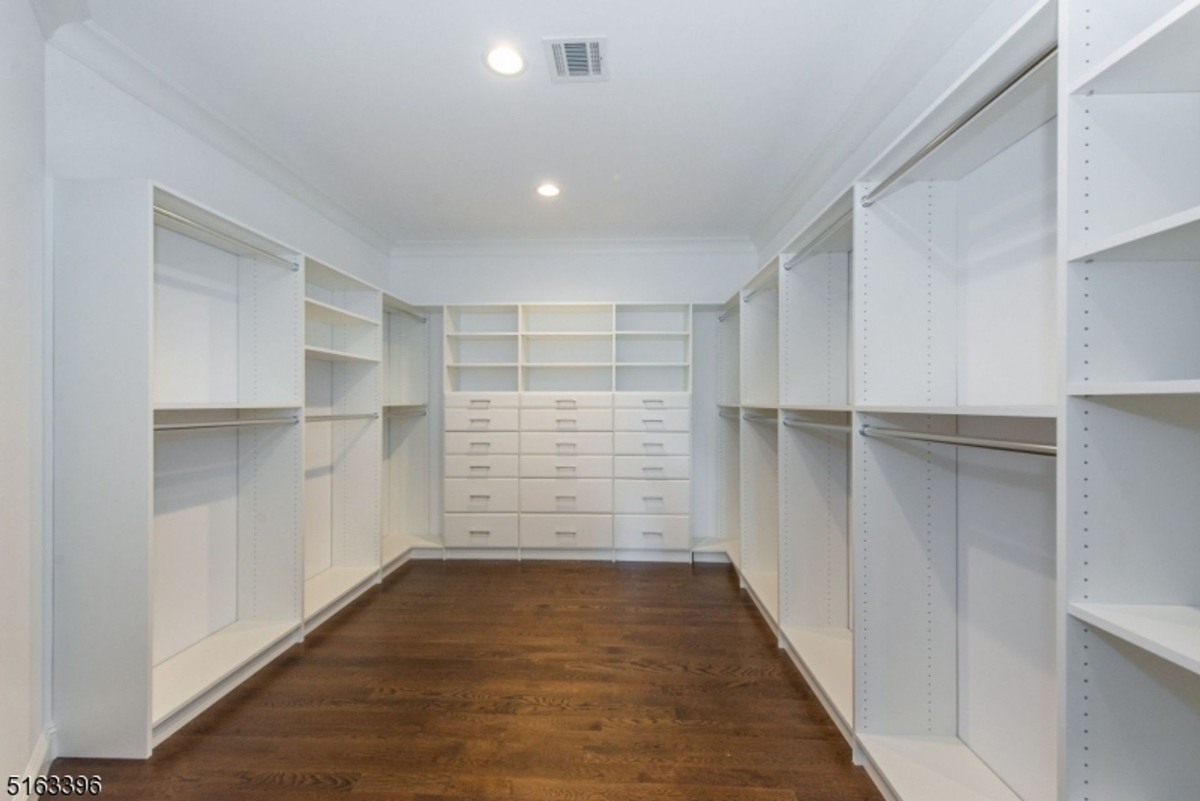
[568,471]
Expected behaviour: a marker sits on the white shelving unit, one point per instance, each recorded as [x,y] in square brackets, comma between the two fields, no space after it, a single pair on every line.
[178,468]
[759,496]
[759,339]
[1131,268]
[343,432]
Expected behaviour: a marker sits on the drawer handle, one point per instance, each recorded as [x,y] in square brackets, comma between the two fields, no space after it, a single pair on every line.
[652,534]
[480,447]
[570,421]
[480,468]
[568,447]
[480,497]
[648,421]
[480,533]
[565,533]
[479,403]
[654,469]
[657,446]
[652,498]
[565,468]
[483,420]
[565,497]
[565,404]
[654,403]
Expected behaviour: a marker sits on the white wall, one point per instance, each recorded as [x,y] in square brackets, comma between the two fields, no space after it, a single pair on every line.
[536,273]
[22,205]
[96,130]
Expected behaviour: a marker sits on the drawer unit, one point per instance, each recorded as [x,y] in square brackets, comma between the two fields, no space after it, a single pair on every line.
[482,401]
[566,531]
[481,419]
[567,467]
[550,495]
[481,466]
[481,531]
[655,400]
[652,533]
[566,420]
[640,444]
[566,401]
[652,497]
[652,467]
[482,443]
[481,495]
[562,444]
[653,420]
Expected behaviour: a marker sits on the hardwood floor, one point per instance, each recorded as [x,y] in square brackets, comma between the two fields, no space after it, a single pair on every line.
[568,681]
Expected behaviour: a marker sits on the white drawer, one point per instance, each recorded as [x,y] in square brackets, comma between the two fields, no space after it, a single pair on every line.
[563,444]
[653,420]
[652,467]
[566,531]
[652,497]
[566,420]
[481,495]
[652,533]
[481,419]
[655,400]
[565,401]
[482,401]
[481,467]
[481,444]
[550,495]
[630,444]
[481,531]
[567,467]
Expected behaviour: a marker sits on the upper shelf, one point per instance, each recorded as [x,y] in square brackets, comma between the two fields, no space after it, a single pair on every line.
[325,354]
[1173,238]
[1163,58]
[1169,632]
[322,312]
[332,279]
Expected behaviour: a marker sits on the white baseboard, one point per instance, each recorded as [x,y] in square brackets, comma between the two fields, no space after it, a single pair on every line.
[39,761]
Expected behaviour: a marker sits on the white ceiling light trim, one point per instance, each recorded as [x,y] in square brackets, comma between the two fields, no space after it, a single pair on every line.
[504,60]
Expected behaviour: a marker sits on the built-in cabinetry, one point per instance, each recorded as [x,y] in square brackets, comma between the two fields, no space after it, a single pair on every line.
[217,481]
[567,430]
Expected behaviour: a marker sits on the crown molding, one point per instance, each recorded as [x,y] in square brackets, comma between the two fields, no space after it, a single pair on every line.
[555,247]
[95,48]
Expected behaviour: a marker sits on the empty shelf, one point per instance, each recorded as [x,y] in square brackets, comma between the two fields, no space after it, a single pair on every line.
[221,406]
[1050,411]
[396,546]
[933,769]
[324,354]
[322,312]
[765,587]
[1162,58]
[1173,238]
[1180,387]
[325,589]
[1169,632]
[189,674]
[829,656]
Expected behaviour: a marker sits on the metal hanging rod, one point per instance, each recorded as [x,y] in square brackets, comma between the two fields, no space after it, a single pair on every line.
[761,287]
[833,228]
[272,421]
[956,126]
[409,313]
[727,312]
[791,422]
[759,418]
[968,442]
[728,415]
[179,218]
[331,418]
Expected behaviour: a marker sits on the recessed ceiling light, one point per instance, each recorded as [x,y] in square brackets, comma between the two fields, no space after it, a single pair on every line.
[504,60]
[548,190]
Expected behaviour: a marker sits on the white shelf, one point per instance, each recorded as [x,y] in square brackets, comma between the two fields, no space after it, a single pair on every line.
[655,334]
[196,670]
[485,335]
[1180,387]
[396,546]
[652,364]
[817,407]
[568,365]
[332,279]
[1173,238]
[321,312]
[828,654]
[419,405]
[327,355]
[1162,58]
[1049,412]
[567,334]
[483,365]
[1169,632]
[221,406]
[325,589]
[933,769]
[765,586]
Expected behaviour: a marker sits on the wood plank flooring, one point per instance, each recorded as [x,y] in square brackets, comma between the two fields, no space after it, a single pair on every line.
[539,681]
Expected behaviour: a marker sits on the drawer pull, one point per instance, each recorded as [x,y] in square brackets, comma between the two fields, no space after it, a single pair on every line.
[481,420]
[654,470]
[565,533]
[652,534]
[566,403]
[480,447]
[649,421]
[652,498]
[567,423]
[480,533]
[565,468]
[480,497]
[565,497]
[479,403]
[654,403]
[480,469]
[567,447]
[654,446]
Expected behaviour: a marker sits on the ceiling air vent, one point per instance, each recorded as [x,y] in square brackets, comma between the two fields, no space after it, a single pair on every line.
[577,59]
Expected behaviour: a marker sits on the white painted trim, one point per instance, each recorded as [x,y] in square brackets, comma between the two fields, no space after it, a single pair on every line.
[39,761]
[552,247]
[98,50]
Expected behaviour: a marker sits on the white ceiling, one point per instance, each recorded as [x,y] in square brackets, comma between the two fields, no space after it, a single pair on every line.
[711,108]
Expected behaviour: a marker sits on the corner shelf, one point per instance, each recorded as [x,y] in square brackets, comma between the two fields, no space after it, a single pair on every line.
[933,769]
[329,586]
[828,653]
[327,355]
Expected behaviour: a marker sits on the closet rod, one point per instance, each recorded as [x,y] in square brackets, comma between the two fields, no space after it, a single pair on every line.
[179,218]
[968,442]
[960,123]
[273,421]
[728,415]
[728,312]
[833,228]
[759,418]
[409,313]
[759,288]
[329,418]
[793,423]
